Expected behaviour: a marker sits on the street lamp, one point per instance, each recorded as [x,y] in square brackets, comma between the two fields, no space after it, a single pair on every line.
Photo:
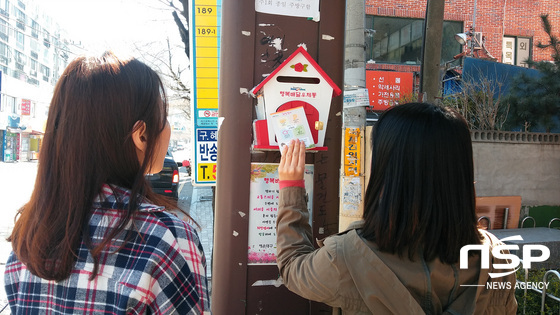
[462,38]
[476,43]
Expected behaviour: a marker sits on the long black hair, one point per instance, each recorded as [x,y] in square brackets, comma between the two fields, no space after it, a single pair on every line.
[420,195]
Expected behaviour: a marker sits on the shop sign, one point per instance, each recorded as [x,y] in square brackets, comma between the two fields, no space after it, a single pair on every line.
[387,87]
[25,107]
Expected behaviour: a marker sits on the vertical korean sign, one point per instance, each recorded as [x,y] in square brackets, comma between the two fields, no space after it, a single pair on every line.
[25,107]
[206,16]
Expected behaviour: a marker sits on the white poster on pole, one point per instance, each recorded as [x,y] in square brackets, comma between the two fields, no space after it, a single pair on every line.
[263,211]
[299,8]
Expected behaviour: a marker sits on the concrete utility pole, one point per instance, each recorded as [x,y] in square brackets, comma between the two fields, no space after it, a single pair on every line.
[354,118]
[431,51]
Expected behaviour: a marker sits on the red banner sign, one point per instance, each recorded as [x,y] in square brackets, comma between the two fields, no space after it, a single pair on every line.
[386,87]
[26,107]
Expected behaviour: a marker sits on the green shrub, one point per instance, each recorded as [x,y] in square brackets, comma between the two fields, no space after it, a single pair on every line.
[533,302]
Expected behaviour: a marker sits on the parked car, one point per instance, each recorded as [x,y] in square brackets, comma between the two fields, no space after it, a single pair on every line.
[166,182]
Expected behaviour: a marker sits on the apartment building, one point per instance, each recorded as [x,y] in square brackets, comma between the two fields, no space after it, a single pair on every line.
[33,54]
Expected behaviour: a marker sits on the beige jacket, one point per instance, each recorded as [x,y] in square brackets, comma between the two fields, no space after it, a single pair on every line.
[351,273]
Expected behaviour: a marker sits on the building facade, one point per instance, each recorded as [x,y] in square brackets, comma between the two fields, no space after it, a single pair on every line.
[505,31]
[499,22]
[33,54]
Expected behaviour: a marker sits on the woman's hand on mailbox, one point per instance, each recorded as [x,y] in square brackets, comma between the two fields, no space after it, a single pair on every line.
[292,163]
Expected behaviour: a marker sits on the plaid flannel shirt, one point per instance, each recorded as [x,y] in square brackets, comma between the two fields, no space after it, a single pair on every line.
[160,270]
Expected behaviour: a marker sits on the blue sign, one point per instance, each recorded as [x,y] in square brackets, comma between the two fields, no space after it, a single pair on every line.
[207,135]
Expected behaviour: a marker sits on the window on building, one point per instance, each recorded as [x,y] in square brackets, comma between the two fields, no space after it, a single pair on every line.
[35,48]
[20,40]
[46,56]
[33,67]
[21,19]
[46,72]
[20,57]
[399,40]
[35,28]
[3,29]
[11,104]
[516,50]
[21,60]
[4,7]
[4,53]
[46,38]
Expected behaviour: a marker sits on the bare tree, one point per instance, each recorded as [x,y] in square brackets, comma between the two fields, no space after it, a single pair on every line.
[481,103]
[182,21]
[162,58]
[167,56]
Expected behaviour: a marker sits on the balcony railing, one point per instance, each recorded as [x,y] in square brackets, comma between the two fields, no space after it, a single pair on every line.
[33,81]
[20,24]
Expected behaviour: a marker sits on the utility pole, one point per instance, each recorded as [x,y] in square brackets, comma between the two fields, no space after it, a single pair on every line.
[431,51]
[354,117]
[253,44]
[229,262]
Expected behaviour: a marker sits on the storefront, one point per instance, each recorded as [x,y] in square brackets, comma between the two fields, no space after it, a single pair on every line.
[10,145]
[24,154]
[35,140]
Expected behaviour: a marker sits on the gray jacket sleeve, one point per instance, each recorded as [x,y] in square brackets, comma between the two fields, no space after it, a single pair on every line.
[306,271]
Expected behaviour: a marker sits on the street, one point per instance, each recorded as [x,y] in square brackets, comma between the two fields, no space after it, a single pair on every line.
[16,184]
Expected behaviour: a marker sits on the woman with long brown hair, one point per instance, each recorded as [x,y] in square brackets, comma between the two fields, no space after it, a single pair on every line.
[94,238]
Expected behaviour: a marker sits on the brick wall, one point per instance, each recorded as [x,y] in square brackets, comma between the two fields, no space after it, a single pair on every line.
[494,18]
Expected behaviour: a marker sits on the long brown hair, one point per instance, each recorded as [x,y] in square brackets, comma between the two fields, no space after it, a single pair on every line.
[87,143]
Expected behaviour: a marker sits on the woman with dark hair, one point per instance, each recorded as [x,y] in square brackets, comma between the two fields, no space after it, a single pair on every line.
[94,238]
[403,258]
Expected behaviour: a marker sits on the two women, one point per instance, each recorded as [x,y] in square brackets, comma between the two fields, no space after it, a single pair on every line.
[94,238]
[403,258]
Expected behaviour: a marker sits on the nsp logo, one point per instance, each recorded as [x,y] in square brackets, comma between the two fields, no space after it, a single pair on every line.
[499,252]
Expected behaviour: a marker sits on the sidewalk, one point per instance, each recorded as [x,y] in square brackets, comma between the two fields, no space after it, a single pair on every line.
[199,206]
[201,211]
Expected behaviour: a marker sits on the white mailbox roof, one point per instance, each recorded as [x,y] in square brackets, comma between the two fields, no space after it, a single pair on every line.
[308,72]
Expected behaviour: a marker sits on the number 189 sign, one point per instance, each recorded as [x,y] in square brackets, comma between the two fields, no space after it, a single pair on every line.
[205,33]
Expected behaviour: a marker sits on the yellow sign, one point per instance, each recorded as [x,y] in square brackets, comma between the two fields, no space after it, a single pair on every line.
[206,172]
[206,51]
[205,32]
[352,152]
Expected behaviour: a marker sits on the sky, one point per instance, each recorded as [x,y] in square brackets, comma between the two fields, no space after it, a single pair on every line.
[113,24]
[129,28]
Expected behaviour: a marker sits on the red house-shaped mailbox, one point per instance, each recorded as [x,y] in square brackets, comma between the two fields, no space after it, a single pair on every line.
[297,82]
